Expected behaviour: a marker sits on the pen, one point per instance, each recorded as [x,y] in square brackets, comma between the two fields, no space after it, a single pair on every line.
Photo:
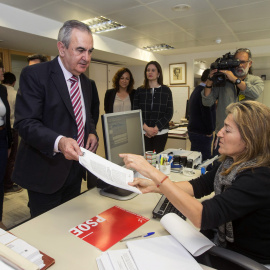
[161,161]
[139,236]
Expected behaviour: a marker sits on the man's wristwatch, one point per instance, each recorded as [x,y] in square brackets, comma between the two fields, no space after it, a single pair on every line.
[237,81]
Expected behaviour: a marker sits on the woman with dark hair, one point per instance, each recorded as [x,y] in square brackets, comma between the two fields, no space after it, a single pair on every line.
[155,100]
[240,208]
[5,139]
[120,98]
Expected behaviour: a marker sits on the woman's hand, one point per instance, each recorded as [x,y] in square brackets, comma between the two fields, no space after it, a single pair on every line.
[150,131]
[138,163]
[144,185]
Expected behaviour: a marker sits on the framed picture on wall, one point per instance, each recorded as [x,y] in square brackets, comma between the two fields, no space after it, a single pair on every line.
[178,73]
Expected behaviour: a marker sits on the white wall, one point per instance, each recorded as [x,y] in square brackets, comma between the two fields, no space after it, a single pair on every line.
[265,96]
[137,72]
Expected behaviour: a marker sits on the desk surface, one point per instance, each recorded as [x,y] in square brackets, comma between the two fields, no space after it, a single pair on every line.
[50,232]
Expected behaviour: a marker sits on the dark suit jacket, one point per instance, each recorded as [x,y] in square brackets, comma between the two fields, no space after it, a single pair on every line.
[109,100]
[3,96]
[94,103]
[44,111]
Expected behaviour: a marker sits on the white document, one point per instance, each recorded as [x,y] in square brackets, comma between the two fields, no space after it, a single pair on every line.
[104,262]
[116,260]
[160,253]
[121,260]
[107,171]
[172,251]
[194,241]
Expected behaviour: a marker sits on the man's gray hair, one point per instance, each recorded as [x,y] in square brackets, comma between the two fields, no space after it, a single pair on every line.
[66,29]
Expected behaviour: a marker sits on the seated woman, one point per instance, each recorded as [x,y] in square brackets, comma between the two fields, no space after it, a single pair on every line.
[240,209]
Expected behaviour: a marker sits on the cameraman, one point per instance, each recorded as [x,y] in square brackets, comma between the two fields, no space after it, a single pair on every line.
[240,85]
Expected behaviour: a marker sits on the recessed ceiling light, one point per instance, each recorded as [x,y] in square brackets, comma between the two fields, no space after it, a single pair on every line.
[218,40]
[103,24]
[158,47]
[181,7]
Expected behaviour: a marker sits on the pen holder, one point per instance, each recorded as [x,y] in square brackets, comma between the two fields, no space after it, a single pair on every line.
[166,168]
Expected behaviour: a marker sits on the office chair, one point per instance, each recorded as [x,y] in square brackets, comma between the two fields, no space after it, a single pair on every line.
[233,259]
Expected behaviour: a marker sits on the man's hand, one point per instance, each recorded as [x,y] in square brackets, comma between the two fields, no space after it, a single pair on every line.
[92,143]
[230,76]
[70,148]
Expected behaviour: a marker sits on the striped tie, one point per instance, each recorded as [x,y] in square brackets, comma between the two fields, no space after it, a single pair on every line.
[75,97]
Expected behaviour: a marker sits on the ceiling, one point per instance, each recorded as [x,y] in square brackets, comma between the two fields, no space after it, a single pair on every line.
[235,22]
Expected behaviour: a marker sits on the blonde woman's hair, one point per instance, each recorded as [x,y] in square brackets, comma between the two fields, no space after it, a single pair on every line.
[253,121]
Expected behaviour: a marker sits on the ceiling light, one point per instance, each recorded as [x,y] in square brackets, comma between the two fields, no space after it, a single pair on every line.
[103,24]
[158,47]
[218,40]
[181,7]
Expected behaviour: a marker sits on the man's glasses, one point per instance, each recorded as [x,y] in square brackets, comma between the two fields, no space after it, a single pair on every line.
[244,62]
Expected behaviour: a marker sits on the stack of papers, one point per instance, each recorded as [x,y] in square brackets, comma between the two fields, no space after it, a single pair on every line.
[107,171]
[21,247]
[179,131]
[172,252]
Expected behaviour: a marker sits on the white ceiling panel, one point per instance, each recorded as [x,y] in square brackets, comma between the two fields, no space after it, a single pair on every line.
[164,8]
[148,1]
[142,42]
[246,12]
[210,31]
[221,4]
[257,35]
[135,16]
[250,26]
[156,29]
[187,44]
[212,40]
[124,34]
[105,7]
[28,5]
[195,21]
[68,12]
[175,37]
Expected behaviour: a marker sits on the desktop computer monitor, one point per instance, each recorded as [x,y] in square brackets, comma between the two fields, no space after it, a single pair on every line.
[123,133]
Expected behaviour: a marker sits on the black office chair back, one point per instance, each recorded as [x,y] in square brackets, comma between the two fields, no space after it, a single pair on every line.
[224,259]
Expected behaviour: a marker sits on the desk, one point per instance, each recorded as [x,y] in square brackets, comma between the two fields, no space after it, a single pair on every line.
[49,232]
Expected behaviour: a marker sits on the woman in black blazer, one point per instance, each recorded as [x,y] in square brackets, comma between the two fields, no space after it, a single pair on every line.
[5,140]
[120,98]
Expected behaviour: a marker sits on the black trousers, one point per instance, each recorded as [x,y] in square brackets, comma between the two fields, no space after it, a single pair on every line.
[40,203]
[156,143]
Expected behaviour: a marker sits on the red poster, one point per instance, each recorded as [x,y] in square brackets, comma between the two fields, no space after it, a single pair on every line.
[109,227]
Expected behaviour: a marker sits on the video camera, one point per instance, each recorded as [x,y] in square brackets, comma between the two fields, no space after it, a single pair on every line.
[226,62]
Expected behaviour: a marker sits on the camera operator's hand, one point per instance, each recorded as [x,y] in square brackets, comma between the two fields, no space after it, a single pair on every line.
[209,83]
[230,76]
[212,72]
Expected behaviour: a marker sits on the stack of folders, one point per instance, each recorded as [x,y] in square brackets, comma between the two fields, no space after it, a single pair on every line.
[172,252]
[17,254]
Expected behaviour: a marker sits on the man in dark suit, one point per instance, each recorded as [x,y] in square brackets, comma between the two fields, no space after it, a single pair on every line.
[47,159]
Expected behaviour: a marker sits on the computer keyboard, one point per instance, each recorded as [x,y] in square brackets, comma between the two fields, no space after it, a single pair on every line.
[164,207]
